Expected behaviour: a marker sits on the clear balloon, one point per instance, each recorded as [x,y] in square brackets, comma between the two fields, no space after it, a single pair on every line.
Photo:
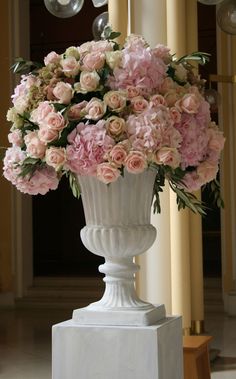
[210,2]
[213,98]
[226,16]
[99,24]
[99,3]
[64,8]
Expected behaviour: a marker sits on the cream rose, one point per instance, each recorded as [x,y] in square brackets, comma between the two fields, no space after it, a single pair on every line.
[115,100]
[115,126]
[89,81]
[113,58]
[77,111]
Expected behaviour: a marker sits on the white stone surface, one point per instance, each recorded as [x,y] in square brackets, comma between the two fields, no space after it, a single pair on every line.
[113,352]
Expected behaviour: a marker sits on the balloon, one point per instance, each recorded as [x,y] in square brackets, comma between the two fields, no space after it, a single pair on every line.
[226,16]
[99,24]
[64,8]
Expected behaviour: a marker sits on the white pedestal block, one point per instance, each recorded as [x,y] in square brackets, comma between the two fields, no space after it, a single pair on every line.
[118,352]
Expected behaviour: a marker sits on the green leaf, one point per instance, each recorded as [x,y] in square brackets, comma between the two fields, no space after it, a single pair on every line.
[22,66]
[74,185]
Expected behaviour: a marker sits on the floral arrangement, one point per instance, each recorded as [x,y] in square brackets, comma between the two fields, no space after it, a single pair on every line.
[99,109]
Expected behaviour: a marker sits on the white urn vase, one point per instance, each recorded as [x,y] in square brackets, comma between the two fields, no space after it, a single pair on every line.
[118,228]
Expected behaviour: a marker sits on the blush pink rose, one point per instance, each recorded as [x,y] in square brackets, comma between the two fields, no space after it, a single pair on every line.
[55,157]
[70,66]
[63,92]
[168,156]
[156,100]
[171,97]
[106,173]
[175,115]
[207,171]
[40,113]
[95,109]
[89,81]
[15,137]
[47,135]
[139,104]
[132,92]
[118,154]
[216,140]
[93,61]
[136,162]
[55,121]
[77,111]
[51,58]
[34,147]
[189,103]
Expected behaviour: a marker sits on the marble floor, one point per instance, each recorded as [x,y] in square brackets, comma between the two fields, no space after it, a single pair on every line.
[25,343]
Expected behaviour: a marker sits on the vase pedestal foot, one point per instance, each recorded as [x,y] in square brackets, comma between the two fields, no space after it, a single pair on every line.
[118,352]
[132,317]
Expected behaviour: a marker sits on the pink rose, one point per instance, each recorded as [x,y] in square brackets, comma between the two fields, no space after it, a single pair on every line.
[34,147]
[77,111]
[175,115]
[63,92]
[118,154]
[168,156]
[47,135]
[15,137]
[189,103]
[89,81]
[107,173]
[102,46]
[115,100]
[136,162]
[132,92]
[51,58]
[167,85]
[216,141]
[93,61]
[55,121]
[70,66]
[156,100]
[40,113]
[171,97]
[95,109]
[115,126]
[139,104]
[207,171]
[55,157]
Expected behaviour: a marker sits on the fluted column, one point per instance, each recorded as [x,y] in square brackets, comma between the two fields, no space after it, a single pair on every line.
[6,269]
[227,117]
[148,18]
[118,18]
[179,221]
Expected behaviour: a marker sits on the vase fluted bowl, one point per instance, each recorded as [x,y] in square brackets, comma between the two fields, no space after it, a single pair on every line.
[118,228]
